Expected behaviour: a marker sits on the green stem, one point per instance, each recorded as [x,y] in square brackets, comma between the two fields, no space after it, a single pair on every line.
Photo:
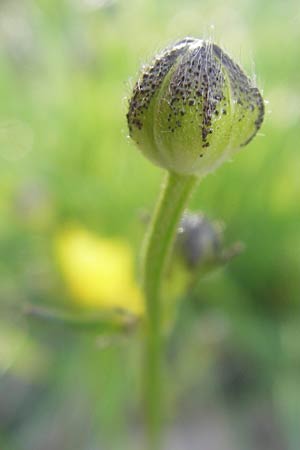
[158,245]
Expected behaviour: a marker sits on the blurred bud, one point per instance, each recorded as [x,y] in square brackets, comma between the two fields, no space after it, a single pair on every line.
[199,249]
[193,108]
[199,243]
[198,240]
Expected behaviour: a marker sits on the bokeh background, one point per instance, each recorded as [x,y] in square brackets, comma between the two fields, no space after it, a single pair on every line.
[74,194]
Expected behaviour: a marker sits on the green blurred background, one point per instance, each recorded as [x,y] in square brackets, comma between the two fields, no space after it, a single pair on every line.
[233,364]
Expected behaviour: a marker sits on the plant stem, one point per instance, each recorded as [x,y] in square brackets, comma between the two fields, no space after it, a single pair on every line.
[158,245]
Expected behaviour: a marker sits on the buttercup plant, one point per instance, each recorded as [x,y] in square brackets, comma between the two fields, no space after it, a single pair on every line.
[190,111]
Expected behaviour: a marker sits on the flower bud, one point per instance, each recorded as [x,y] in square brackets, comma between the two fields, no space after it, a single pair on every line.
[193,108]
[200,245]
[199,241]
[199,249]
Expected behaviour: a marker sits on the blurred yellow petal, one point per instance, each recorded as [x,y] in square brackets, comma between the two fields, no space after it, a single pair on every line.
[99,272]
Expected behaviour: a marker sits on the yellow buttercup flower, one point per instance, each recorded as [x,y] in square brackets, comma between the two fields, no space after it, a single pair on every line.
[99,272]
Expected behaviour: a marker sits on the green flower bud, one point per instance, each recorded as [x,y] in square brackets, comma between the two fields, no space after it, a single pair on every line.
[193,108]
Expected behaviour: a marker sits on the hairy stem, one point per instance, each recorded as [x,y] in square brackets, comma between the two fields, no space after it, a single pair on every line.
[158,245]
